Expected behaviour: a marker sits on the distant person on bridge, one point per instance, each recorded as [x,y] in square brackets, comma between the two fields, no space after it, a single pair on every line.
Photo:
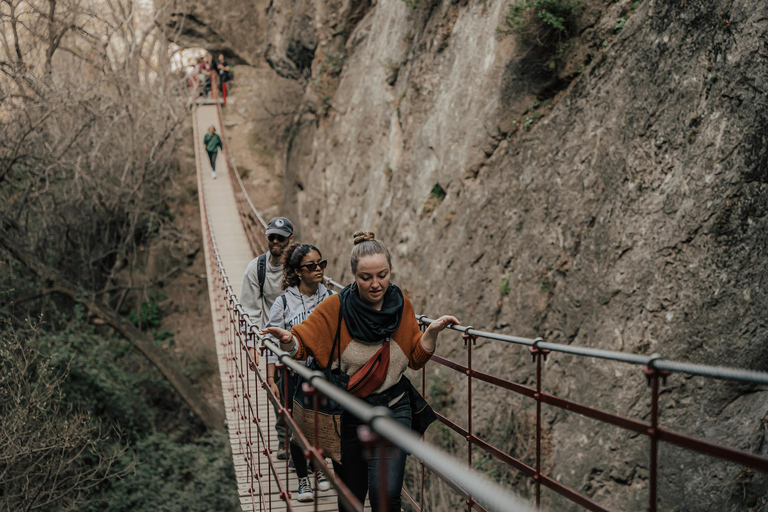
[262,285]
[203,70]
[212,143]
[303,268]
[375,320]
[224,69]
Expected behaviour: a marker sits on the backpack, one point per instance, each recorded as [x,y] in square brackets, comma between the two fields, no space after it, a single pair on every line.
[261,272]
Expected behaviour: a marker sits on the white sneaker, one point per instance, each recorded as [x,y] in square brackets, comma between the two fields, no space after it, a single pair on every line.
[213,174]
[305,490]
[322,483]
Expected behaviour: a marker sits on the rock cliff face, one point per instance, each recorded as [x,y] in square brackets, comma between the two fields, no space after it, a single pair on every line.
[616,199]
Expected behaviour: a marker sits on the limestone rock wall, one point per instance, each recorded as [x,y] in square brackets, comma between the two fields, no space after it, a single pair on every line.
[618,202]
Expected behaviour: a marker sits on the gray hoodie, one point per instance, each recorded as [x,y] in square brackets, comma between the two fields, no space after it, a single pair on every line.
[294,309]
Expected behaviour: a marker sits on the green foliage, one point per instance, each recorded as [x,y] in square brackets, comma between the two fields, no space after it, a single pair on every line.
[544,25]
[553,17]
[163,334]
[422,4]
[173,476]
[504,286]
[168,465]
[620,24]
[326,79]
[437,193]
[149,314]
[332,64]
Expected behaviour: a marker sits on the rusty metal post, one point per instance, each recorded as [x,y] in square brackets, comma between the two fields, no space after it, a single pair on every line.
[257,419]
[652,378]
[309,390]
[373,443]
[469,341]
[268,445]
[537,355]
[422,328]
[284,411]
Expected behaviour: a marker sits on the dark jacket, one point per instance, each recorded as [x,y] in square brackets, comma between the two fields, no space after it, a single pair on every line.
[212,142]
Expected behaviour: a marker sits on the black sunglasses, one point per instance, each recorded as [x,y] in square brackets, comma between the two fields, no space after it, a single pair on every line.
[312,266]
[279,238]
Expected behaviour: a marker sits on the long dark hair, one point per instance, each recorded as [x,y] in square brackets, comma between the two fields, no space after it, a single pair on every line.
[292,257]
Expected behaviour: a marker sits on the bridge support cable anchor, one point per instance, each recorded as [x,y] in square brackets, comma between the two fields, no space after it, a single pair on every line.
[537,354]
[652,376]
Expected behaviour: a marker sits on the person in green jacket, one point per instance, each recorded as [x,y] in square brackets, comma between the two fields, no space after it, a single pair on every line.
[212,143]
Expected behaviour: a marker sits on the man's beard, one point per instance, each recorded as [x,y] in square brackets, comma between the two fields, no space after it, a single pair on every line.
[276,251]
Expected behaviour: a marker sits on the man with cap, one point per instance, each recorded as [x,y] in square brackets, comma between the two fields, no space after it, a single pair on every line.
[264,274]
[261,287]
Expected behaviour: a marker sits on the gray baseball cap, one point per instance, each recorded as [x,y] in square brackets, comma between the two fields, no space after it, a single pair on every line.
[280,226]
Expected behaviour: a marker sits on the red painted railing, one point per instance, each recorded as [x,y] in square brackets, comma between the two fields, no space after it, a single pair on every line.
[653,367]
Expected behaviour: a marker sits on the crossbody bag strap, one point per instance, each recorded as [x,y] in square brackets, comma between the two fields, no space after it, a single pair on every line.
[336,342]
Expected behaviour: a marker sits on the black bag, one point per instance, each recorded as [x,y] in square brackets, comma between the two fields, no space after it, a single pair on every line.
[422,414]
[328,415]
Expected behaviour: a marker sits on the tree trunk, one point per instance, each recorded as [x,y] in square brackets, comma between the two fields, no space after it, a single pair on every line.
[212,417]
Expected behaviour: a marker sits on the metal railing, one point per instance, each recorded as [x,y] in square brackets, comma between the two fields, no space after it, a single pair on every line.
[236,330]
[654,368]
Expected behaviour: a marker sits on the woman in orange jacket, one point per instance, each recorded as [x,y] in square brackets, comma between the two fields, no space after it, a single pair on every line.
[376,321]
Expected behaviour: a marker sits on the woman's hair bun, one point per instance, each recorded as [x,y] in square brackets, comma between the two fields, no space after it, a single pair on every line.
[363,236]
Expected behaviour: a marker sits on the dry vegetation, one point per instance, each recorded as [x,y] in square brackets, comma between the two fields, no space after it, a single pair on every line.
[90,110]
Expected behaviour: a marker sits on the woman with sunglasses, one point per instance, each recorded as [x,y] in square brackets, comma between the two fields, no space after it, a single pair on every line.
[376,322]
[303,268]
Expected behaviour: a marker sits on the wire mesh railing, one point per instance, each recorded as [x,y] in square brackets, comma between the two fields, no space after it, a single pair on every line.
[654,367]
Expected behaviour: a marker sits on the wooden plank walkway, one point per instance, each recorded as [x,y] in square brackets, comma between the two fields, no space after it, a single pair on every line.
[236,254]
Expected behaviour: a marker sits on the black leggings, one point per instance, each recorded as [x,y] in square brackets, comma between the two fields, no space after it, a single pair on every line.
[297,453]
[361,474]
[212,158]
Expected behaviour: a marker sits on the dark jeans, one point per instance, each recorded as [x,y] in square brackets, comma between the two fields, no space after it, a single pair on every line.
[212,158]
[361,474]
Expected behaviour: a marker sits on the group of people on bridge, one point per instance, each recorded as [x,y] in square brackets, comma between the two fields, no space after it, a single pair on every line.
[204,68]
[367,333]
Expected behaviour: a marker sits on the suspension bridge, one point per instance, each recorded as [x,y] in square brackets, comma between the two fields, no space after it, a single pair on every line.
[233,232]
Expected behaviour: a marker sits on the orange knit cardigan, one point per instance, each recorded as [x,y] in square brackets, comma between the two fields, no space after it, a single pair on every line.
[315,335]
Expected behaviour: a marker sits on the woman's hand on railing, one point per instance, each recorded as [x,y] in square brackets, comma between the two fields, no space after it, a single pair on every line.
[281,335]
[429,339]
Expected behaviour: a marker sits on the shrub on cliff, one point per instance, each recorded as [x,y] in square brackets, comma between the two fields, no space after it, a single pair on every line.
[546,24]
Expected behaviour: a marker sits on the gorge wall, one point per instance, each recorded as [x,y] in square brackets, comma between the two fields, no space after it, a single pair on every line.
[616,199]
